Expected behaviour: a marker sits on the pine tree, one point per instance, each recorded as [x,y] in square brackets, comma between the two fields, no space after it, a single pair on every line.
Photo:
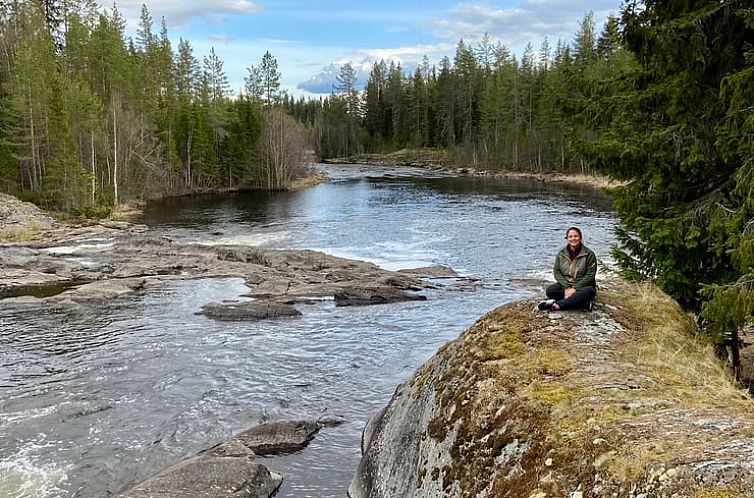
[270,76]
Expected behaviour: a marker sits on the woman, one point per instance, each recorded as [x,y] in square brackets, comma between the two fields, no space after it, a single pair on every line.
[575,271]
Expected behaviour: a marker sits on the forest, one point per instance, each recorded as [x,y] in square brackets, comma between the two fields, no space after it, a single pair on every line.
[91,119]
[661,98]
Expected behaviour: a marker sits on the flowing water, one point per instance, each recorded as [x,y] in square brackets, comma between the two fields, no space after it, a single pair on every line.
[95,398]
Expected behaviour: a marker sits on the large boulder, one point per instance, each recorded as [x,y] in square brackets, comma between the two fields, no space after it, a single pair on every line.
[229,469]
[210,477]
[623,401]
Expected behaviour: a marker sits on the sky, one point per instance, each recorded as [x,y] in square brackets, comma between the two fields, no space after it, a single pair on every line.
[311,39]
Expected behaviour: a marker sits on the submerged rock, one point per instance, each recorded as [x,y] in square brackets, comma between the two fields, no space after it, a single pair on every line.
[622,401]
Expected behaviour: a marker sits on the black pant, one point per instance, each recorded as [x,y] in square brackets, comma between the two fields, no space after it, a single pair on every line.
[580,299]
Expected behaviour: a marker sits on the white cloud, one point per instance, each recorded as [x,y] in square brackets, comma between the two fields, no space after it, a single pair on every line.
[222,38]
[181,12]
[362,61]
[531,21]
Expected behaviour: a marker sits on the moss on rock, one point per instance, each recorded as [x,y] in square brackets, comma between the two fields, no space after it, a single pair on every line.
[625,401]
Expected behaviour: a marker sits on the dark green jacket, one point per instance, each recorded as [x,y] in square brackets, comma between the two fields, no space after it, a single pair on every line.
[580,272]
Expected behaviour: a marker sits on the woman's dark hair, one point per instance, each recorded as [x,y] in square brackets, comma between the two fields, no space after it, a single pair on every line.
[575,229]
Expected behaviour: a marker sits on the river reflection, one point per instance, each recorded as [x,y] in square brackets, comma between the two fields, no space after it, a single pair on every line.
[96,398]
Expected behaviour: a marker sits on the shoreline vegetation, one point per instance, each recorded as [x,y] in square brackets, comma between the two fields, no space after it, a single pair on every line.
[440,160]
[130,210]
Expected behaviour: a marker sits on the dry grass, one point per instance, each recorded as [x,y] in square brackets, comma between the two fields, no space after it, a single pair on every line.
[672,352]
[20,234]
[722,492]
[660,369]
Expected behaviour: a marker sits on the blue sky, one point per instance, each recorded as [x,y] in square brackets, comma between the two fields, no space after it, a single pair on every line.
[311,38]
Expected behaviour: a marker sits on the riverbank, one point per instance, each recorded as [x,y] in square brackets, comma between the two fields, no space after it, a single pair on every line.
[58,266]
[132,210]
[24,221]
[343,361]
[438,160]
[623,401]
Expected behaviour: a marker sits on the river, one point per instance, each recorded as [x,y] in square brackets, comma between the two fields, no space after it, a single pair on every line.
[94,398]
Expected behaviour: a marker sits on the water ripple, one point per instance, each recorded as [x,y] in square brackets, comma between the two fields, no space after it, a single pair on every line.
[93,399]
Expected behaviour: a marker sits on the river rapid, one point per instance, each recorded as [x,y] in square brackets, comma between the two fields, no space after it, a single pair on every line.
[96,398]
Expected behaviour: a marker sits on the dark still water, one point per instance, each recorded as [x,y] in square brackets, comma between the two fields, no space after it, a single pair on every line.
[95,398]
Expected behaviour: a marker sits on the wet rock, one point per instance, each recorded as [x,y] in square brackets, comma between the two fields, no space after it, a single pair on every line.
[101,290]
[431,272]
[210,477]
[242,255]
[229,469]
[117,258]
[272,438]
[115,225]
[248,310]
[364,295]
[331,421]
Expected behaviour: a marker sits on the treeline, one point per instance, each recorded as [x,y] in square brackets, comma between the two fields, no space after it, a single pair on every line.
[662,99]
[486,107]
[90,118]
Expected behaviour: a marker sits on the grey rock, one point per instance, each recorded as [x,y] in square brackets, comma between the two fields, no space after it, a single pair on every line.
[209,477]
[450,431]
[101,290]
[379,294]
[272,438]
[431,272]
[229,469]
[248,310]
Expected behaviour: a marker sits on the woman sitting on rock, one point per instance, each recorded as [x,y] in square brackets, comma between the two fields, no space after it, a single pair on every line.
[575,271]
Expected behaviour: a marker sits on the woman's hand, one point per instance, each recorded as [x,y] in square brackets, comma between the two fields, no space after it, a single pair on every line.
[569,292]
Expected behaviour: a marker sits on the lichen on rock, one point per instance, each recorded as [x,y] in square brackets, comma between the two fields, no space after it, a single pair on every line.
[624,401]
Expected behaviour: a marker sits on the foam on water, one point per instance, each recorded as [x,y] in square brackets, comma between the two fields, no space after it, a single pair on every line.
[76,248]
[22,416]
[254,240]
[21,476]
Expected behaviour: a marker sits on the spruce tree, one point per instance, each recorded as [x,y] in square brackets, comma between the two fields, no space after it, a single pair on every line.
[669,128]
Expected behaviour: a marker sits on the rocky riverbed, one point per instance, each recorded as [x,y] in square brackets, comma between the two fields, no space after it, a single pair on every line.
[42,259]
[44,262]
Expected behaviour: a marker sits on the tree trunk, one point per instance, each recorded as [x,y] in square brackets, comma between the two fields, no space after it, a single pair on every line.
[94,167]
[115,160]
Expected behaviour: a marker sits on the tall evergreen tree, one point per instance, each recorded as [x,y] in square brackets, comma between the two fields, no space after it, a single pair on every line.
[666,128]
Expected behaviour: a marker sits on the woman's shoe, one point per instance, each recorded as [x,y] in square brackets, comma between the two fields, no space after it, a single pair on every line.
[546,304]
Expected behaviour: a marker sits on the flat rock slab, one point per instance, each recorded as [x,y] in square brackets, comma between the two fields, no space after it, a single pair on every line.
[248,310]
[431,272]
[210,477]
[364,295]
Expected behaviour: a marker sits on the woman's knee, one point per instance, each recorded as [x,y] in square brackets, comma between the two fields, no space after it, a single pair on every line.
[555,291]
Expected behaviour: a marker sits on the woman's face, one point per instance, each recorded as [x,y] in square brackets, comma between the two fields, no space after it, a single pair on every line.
[574,239]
